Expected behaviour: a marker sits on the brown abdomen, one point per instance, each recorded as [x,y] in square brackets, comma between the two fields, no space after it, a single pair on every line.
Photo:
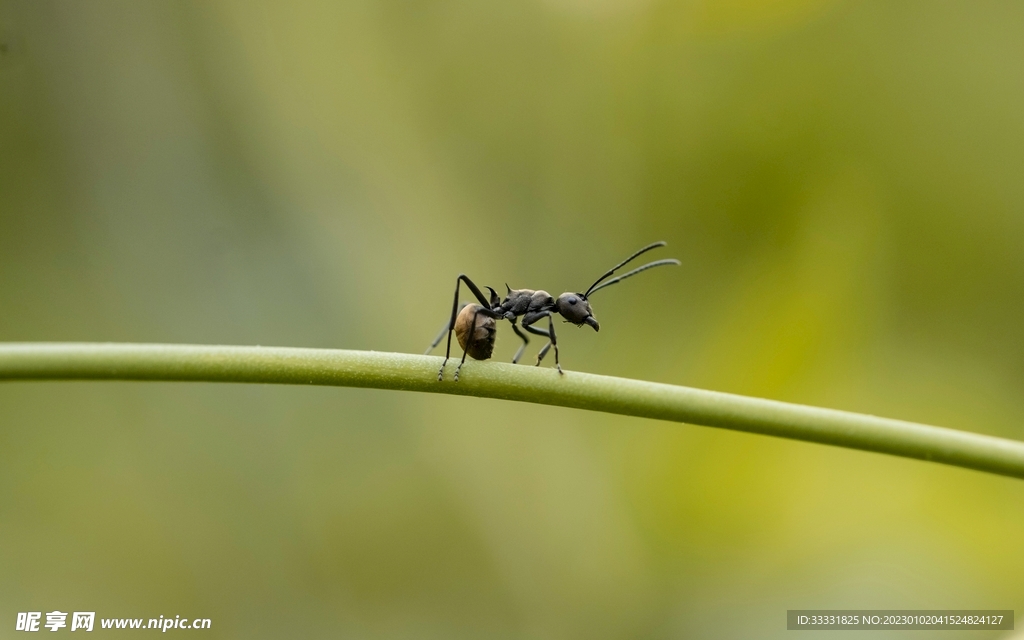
[480,344]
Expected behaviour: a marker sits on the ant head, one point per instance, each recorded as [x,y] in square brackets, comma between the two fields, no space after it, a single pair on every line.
[576,309]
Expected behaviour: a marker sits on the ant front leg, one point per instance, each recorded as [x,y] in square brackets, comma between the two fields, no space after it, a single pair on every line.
[549,334]
[553,343]
[543,352]
[451,322]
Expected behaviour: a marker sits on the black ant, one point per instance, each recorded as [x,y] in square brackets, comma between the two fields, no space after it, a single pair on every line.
[475,324]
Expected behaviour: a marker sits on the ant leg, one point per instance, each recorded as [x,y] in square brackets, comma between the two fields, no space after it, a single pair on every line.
[549,334]
[444,329]
[526,341]
[455,312]
[554,343]
[465,351]
[543,352]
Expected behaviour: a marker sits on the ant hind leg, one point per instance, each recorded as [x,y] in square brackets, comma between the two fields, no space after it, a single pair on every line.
[451,322]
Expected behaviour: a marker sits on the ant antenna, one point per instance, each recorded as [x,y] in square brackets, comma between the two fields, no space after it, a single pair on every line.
[650,265]
[594,287]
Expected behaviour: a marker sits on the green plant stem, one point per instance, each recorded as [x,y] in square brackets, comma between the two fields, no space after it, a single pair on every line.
[86,361]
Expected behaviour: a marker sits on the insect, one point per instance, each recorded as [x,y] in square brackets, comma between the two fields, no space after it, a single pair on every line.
[475,325]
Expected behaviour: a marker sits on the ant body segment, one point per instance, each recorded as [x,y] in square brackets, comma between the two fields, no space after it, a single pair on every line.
[475,325]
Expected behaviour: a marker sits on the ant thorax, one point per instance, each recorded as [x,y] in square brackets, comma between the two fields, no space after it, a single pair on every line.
[519,302]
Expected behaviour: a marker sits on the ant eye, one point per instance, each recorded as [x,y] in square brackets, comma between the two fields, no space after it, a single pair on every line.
[572,300]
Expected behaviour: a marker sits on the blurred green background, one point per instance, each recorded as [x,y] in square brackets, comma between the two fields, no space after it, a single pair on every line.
[842,182]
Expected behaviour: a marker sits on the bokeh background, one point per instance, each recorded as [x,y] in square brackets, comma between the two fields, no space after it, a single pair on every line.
[842,182]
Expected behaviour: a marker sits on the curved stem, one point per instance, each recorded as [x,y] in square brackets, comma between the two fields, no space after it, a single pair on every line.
[86,361]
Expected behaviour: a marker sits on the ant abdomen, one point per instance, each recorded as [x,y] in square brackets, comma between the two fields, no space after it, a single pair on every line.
[476,332]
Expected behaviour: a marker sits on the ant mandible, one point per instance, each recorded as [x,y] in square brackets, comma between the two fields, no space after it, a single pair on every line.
[475,324]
